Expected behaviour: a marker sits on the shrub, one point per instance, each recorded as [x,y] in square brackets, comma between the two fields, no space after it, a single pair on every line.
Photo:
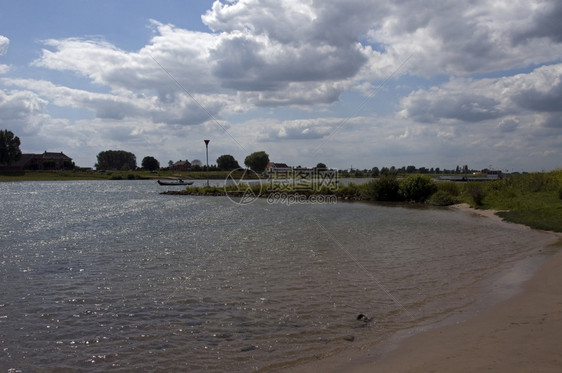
[349,191]
[417,188]
[476,192]
[386,188]
[442,198]
[450,187]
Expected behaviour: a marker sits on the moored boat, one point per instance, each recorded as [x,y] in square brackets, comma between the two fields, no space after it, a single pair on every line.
[175,182]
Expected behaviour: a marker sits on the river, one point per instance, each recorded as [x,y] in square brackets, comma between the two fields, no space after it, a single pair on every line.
[113,276]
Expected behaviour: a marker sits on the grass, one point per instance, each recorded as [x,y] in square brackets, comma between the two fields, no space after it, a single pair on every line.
[79,174]
[533,199]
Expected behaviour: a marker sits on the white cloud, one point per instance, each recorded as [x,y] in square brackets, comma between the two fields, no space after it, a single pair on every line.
[4,43]
[451,37]
[18,107]
[469,100]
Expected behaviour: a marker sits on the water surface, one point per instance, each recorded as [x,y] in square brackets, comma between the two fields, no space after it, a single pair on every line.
[102,276]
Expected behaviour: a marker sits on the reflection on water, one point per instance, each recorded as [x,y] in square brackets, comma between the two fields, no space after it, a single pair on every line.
[101,275]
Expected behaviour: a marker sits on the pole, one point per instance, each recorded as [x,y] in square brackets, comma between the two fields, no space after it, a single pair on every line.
[207,152]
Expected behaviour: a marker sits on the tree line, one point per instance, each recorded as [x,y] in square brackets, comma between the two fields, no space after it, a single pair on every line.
[125,161]
[257,161]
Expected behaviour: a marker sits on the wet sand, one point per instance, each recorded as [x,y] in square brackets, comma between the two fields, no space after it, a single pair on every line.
[520,334]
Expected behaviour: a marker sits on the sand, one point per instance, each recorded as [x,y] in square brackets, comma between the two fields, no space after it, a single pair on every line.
[520,334]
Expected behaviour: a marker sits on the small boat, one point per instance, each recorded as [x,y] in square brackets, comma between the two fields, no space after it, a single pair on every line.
[175,182]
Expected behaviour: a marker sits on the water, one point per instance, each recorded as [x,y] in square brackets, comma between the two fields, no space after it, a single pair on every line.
[113,276]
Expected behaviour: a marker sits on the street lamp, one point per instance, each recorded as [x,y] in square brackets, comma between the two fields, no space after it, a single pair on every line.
[207,151]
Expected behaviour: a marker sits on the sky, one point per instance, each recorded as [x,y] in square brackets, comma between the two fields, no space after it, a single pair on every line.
[349,83]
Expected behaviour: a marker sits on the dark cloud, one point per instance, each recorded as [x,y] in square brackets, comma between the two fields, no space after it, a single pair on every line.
[546,22]
[509,124]
[553,120]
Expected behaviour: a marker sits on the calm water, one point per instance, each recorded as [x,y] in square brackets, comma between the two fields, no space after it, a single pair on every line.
[102,276]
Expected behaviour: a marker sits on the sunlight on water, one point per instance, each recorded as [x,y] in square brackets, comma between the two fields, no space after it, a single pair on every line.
[99,275]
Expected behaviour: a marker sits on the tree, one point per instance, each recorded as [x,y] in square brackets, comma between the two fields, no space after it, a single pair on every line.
[321,166]
[116,160]
[150,163]
[227,162]
[257,161]
[375,172]
[9,147]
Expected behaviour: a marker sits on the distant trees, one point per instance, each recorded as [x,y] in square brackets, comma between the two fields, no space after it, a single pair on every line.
[9,147]
[257,161]
[227,162]
[150,163]
[116,160]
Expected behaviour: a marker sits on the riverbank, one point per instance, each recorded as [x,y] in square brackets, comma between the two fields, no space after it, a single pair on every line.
[520,334]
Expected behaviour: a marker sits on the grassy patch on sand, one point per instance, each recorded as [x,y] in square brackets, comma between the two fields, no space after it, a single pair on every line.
[533,199]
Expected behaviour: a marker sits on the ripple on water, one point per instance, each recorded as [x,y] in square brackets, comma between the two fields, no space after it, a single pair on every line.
[102,275]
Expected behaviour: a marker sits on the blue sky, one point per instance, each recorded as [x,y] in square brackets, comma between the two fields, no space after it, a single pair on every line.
[346,83]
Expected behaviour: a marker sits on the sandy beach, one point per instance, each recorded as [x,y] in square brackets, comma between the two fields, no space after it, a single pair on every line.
[520,334]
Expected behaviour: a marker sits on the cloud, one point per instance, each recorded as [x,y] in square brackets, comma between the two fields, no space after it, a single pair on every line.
[4,43]
[544,23]
[454,100]
[309,129]
[265,59]
[508,124]
[16,106]
[554,121]
[468,100]
[450,37]
[181,110]
[540,90]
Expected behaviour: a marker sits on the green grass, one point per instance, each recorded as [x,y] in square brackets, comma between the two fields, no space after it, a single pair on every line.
[113,175]
[530,199]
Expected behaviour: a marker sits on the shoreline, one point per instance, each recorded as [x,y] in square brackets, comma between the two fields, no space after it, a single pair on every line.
[517,334]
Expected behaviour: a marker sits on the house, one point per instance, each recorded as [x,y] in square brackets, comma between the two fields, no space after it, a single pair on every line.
[274,167]
[181,165]
[45,161]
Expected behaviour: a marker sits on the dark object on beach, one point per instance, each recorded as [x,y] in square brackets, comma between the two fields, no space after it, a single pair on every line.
[363,318]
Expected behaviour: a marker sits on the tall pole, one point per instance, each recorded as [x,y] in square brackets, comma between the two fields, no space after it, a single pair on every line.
[207,151]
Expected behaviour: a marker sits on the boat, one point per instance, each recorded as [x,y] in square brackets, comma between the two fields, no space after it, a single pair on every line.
[175,182]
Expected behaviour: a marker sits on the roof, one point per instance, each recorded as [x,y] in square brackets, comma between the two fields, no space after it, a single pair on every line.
[277,165]
[52,155]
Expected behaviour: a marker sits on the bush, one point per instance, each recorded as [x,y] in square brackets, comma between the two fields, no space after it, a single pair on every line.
[442,198]
[476,192]
[386,188]
[417,188]
[349,191]
[450,187]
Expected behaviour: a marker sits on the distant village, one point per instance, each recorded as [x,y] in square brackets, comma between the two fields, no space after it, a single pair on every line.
[60,161]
